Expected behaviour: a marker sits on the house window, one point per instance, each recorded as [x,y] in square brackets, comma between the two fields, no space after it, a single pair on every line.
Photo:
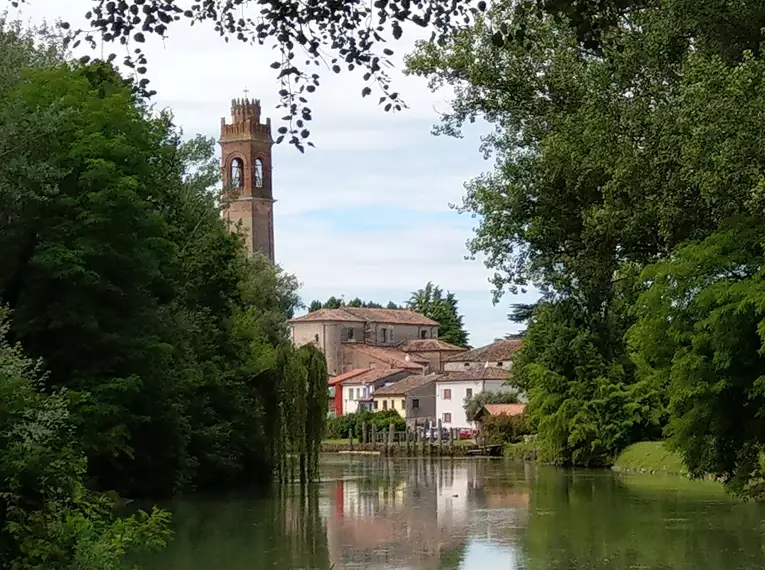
[349,334]
[350,393]
[258,173]
[383,335]
[374,404]
[468,392]
[385,404]
[415,403]
[237,170]
[466,364]
[447,393]
[423,334]
[446,418]
[499,364]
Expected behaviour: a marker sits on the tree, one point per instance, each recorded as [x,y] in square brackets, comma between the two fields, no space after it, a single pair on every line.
[474,404]
[607,160]
[48,518]
[699,337]
[127,283]
[431,302]
[335,303]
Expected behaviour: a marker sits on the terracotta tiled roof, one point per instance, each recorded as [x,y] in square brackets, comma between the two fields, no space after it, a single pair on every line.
[488,373]
[390,356]
[323,315]
[504,409]
[371,375]
[428,345]
[345,376]
[494,352]
[403,386]
[355,314]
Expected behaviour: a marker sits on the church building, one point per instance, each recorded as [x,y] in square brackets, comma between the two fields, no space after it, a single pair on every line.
[247,182]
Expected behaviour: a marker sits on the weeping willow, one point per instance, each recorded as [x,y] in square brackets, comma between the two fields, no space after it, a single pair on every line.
[302,411]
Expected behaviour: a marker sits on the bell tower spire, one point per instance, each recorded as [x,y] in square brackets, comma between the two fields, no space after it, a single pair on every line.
[246,159]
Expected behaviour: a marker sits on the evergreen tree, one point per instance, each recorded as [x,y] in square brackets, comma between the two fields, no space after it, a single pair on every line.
[431,302]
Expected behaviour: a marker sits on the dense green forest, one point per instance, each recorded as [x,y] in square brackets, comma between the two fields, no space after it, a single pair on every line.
[141,351]
[628,188]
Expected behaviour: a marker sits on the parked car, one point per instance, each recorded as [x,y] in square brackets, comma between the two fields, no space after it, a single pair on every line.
[467,433]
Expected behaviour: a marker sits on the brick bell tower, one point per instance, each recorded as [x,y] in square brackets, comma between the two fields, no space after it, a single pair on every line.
[246,160]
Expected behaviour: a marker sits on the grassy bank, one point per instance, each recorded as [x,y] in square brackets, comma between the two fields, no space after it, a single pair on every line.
[650,457]
[521,451]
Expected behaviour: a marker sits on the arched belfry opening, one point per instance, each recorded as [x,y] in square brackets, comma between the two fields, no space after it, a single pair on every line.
[258,173]
[236,175]
[246,161]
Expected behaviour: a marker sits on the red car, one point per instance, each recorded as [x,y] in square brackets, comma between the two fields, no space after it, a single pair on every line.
[466,433]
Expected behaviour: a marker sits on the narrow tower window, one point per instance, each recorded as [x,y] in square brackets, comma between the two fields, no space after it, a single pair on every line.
[258,173]
[237,171]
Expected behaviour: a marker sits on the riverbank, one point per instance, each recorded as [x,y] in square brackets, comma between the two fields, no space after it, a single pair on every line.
[650,457]
[456,448]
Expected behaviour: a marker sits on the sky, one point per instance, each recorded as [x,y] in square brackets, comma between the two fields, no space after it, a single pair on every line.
[367,212]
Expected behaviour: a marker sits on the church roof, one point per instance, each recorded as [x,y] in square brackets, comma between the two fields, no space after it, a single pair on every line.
[429,345]
[360,315]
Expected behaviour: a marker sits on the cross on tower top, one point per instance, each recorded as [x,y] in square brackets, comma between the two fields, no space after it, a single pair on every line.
[246,91]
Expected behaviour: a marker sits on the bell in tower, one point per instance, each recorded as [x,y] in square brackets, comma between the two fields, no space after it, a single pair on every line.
[246,159]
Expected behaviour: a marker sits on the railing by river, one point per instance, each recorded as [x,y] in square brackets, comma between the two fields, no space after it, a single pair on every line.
[415,442]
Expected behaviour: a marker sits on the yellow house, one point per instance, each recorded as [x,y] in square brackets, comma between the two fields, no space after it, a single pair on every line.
[395,396]
[390,402]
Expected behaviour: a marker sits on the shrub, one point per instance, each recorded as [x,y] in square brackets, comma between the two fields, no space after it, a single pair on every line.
[339,428]
[505,429]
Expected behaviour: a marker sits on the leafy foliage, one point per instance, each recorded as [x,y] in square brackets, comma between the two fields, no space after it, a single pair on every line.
[700,334]
[609,157]
[341,426]
[504,429]
[127,283]
[474,404]
[431,302]
[335,303]
[48,518]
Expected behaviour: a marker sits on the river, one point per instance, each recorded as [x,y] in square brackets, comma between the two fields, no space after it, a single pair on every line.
[470,514]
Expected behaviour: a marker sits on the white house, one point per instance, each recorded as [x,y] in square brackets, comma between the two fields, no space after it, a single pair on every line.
[452,388]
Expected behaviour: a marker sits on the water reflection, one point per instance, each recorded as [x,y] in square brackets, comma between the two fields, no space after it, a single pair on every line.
[470,515]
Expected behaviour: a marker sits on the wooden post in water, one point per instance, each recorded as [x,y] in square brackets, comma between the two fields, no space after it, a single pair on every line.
[374,435]
[350,438]
[406,437]
[364,434]
[440,439]
[391,437]
[451,437]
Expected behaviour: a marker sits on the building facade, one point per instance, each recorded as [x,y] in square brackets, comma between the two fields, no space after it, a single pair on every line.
[247,175]
[359,387]
[453,388]
[337,331]
[413,397]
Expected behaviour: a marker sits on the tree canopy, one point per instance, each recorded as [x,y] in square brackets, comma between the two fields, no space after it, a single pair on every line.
[164,359]
[625,183]
[348,37]
[431,302]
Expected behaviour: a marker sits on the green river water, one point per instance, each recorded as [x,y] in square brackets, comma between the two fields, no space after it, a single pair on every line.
[475,514]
